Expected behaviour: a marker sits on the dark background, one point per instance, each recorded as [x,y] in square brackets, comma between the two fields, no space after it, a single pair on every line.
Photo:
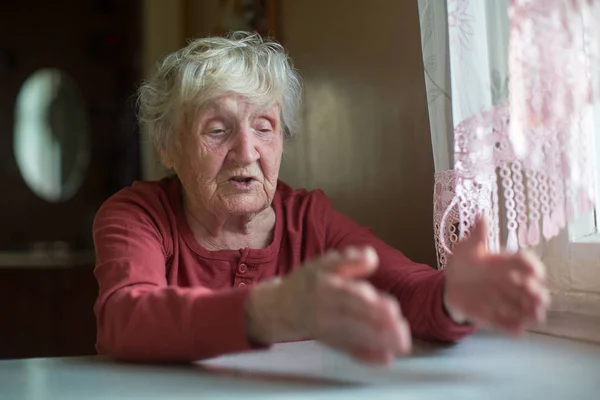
[46,307]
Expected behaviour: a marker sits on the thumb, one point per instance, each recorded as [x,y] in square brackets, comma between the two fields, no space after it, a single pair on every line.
[353,263]
[478,236]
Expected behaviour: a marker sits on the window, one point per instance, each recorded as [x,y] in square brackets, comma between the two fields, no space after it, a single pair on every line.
[586,228]
[573,258]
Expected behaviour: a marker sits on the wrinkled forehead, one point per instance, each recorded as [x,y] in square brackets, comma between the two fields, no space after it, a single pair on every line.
[239,104]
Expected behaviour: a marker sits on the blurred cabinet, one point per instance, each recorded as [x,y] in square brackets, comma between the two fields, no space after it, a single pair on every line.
[96,47]
[47,312]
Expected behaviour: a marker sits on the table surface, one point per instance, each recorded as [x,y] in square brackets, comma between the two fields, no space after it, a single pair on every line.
[484,366]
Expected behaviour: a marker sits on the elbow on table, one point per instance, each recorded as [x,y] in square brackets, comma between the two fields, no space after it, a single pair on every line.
[118,346]
[122,347]
[123,338]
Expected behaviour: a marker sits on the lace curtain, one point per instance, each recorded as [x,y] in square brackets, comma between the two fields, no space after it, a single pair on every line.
[511,87]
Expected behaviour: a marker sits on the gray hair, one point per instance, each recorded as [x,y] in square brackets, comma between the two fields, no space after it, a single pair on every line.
[188,79]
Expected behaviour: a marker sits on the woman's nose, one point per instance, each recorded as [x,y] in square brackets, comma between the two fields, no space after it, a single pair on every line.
[244,151]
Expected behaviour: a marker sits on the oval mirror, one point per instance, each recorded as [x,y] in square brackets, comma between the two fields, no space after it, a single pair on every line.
[51,143]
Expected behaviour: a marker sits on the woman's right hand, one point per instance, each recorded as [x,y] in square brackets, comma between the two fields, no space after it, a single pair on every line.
[327,300]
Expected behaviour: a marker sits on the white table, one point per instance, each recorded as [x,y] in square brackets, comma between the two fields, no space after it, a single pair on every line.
[482,367]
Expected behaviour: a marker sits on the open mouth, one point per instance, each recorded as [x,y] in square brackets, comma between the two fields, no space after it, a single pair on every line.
[241,179]
[241,182]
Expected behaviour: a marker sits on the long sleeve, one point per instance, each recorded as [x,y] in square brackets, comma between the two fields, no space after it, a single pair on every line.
[139,316]
[418,287]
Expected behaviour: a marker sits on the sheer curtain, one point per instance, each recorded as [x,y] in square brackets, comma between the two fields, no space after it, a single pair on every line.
[509,90]
[469,38]
[465,56]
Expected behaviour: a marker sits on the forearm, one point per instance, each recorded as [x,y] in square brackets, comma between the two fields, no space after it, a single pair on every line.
[421,296]
[172,324]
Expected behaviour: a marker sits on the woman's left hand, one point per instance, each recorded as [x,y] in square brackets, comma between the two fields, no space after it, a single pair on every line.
[502,291]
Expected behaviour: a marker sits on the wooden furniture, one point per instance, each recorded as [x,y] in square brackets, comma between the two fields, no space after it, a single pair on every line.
[46,300]
[46,310]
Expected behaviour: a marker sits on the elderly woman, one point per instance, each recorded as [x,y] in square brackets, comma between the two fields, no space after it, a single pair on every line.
[223,257]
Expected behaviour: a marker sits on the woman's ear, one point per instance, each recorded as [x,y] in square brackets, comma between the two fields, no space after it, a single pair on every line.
[164,156]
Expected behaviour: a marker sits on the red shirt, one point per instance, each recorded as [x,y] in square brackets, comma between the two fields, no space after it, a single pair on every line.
[164,297]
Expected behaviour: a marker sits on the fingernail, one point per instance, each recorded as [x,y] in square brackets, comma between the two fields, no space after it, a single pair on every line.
[352,253]
[370,255]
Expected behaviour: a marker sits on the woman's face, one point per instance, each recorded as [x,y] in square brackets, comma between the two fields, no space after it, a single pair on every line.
[229,162]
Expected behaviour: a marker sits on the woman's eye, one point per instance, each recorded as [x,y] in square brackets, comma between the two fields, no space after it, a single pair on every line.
[216,131]
[265,130]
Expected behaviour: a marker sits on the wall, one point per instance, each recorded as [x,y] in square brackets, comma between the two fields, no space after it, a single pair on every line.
[365,134]
[163,32]
[573,276]
[364,125]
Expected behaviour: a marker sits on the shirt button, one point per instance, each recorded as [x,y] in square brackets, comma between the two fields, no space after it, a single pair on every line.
[242,268]
[242,285]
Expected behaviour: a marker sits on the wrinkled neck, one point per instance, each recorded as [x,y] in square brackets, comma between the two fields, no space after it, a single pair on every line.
[230,231]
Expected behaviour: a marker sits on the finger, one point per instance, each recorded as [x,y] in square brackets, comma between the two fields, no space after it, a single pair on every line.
[504,264]
[403,338]
[358,299]
[382,311]
[355,337]
[535,264]
[514,292]
[497,314]
[352,253]
[376,357]
[540,297]
[362,301]
[400,328]
[387,344]
[508,325]
[506,318]
[526,262]
[516,316]
[376,322]
[354,263]
[537,290]
[513,272]
[529,292]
